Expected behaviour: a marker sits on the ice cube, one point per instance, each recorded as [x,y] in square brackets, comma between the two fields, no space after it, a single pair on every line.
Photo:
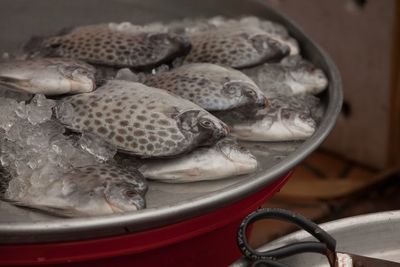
[97,146]
[7,113]
[40,109]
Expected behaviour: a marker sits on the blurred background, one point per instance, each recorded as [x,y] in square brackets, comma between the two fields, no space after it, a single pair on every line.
[356,169]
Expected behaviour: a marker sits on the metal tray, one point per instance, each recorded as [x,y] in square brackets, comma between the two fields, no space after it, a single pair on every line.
[166,203]
[374,235]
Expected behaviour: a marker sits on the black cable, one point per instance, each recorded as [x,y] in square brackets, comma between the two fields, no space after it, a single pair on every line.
[327,242]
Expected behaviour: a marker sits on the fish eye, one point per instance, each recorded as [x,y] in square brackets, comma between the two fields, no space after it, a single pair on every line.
[130,193]
[251,92]
[206,123]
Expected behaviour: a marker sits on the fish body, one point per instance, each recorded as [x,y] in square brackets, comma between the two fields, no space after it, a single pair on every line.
[237,47]
[292,76]
[210,86]
[117,45]
[286,119]
[225,159]
[141,120]
[88,191]
[50,76]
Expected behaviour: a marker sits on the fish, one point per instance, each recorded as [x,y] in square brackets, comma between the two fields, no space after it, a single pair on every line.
[141,120]
[88,191]
[236,47]
[225,159]
[117,45]
[49,76]
[288,118]
[292,76]
[275,30]
[210,86]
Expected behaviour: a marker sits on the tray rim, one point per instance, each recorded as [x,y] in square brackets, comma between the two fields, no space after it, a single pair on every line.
[70,229]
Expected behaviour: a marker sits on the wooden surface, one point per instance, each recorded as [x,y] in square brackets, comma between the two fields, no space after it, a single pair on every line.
[326,176]
[358,35]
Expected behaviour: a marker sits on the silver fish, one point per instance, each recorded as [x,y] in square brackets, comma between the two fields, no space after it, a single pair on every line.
[210,86]
[88,191]
[141,120]
[287,118]
[292,76]
[237,47]
[118,45]
[225,159]
[52,76]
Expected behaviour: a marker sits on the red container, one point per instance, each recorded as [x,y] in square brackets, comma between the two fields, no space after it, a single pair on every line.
[207,240]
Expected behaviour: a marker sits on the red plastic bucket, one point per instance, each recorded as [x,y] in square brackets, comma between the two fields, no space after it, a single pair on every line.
[207,240]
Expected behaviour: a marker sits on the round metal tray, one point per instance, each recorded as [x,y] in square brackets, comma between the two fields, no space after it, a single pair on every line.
[374,235]
[167,203]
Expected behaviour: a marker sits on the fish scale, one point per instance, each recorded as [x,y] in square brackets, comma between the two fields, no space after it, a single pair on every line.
[287,118]
[237,47]
[203,164]
[210,86]
[292,76]
[112,45]
[141,120]
[87,191]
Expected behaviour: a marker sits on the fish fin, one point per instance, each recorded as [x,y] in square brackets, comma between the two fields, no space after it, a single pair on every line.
[34,44]
[15,83]
[127,75]
[35,47]
[66,212]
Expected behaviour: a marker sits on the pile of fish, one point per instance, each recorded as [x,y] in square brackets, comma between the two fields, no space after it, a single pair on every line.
[89,113]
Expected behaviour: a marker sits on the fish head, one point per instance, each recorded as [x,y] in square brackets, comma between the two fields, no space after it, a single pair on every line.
[212,127]
[297,122]
[312,78]
[238,154]
[122,197]
[80,76]
[268,48]
[247,92]
[203,125]
[162,47]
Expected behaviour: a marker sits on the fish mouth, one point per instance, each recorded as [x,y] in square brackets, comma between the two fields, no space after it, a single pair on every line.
[262,102]
[221,133]
[225,130]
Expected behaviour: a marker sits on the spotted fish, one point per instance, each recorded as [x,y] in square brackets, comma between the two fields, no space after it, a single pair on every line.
[52,76]
[292,76]
[87,191]
[141,120]
[225,159]
[237,47]
[210,86]
[117,45]
[287,118]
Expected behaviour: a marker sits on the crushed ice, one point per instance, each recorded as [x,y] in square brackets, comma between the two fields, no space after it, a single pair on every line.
[34,149]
